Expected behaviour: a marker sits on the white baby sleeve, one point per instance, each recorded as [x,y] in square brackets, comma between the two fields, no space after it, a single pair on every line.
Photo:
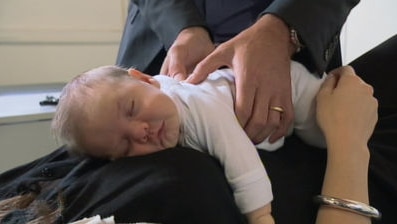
[305,87]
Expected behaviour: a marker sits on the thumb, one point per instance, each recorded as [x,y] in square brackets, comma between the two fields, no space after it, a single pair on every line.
[180,76]
[177,71]
[204,68]
[330,83]
[344,70]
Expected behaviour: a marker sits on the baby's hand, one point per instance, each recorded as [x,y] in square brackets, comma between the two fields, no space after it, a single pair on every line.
[261,215]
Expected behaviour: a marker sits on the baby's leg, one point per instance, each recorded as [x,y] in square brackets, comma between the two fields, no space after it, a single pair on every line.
[304,90]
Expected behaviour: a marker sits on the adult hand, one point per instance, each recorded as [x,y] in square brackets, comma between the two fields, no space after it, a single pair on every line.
[260,59]
[346,108]
[190,47]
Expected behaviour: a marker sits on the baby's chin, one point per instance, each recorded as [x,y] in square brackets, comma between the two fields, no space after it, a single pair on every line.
[171,141]
[170,144]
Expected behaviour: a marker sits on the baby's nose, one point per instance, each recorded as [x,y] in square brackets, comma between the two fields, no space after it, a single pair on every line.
[140,132]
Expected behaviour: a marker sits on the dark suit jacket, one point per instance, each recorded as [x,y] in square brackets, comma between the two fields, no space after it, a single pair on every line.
[152,26]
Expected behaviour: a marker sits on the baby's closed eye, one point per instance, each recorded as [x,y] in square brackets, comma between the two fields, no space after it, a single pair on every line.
[131,109]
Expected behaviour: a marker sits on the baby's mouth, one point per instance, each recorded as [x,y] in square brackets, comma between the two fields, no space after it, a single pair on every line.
[155,136]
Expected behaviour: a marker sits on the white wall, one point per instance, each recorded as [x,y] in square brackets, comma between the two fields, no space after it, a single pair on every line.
[46,41]
[370,23]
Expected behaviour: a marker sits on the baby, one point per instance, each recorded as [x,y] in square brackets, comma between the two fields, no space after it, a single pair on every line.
[111,112]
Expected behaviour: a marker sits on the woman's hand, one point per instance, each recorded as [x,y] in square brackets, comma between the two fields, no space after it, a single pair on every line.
[346,108]
[347,114]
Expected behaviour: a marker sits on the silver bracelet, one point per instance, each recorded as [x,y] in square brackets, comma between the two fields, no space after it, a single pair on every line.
[348,205]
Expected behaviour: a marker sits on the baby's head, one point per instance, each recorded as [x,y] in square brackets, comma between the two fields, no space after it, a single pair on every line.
[111,112]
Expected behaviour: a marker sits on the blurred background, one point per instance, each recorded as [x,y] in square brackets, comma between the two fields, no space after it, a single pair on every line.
[46,41]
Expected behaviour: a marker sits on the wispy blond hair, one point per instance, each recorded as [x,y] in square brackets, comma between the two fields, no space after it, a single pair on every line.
[74,108]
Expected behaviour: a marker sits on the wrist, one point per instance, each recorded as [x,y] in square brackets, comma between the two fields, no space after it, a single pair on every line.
[348,151]
[276,26]
[288,35]
[194,31]
[357,207]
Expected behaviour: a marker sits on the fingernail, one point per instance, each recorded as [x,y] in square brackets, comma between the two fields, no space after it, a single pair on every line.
[330,75]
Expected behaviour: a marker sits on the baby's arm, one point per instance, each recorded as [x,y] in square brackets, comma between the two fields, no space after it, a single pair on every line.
[220,132]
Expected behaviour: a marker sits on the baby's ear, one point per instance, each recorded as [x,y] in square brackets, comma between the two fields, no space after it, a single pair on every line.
[143,77]
[136,74]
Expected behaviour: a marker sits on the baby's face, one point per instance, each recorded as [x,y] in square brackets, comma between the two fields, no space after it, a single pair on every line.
[130,118]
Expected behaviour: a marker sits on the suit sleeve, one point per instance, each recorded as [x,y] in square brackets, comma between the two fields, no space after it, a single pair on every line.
[168,18]
[318,23]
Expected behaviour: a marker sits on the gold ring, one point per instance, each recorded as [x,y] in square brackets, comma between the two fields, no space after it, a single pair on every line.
[278,109]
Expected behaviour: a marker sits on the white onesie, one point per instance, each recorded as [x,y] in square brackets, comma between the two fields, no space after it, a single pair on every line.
[209,125]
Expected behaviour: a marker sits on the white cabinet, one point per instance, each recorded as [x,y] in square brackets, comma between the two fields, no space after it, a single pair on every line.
[44,42]
[25,124]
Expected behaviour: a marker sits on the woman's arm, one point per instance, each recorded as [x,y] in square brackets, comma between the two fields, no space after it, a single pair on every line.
[347,113]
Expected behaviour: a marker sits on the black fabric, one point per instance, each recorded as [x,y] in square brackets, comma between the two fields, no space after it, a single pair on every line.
[228,18]
[16,217]
[296,173]
[173,186]
[379,67]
